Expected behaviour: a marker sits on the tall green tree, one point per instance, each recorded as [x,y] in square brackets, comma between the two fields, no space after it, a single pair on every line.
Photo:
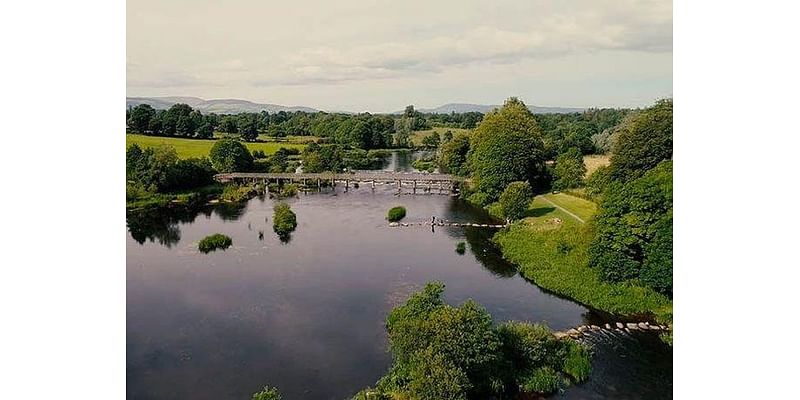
[230,155]
[140,117]
[633,230]
[515,199]
[453,155]
[569,169]
[644,142]
[506,147]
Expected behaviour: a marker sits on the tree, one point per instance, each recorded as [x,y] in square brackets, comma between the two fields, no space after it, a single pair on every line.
[248,127]
[570,169]
[633,231]
[515,199]
[506,147]
[431,141]
[453,156]
[284,221]
[230,155]
[140,117]
[205,131]
[644,142]
[228,124]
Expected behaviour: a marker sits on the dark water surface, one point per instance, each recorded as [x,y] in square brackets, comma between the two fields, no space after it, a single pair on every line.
[307,316]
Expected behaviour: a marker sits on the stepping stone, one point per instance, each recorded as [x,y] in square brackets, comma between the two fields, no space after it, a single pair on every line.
[619,325]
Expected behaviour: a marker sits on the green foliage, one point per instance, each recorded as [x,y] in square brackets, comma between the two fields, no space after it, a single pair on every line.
[323,158]
[504,148]
[598,181]
[230,155]
[431,141]
[577,362]
[424,165]
[461,247]
[644,142]
[515,199]
[541,380]
[479,199]
[569,169]
[582,130]
[633,238]
[284,220]
[446,352]
[396,213]
[214,242]
[539,253]
[453,157]
[157,169]
[268,393]
[237,193]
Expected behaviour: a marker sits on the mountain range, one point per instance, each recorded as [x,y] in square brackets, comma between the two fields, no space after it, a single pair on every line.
[235,106]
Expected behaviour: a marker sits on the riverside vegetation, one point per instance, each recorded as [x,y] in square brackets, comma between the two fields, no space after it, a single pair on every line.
[621,260]
[441,351]
[396,214]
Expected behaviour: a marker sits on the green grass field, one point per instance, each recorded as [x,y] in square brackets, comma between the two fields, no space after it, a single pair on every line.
[580,207]
[187,148]
[556,255]
[417,136]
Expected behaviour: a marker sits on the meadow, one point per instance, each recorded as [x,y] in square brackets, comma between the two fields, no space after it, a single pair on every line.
[551,249]
[187,148]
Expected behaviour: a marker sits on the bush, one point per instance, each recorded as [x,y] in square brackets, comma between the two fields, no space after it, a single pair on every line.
[396,213]
[269,393]
[284,220]
[236,193]
[230,155]
[213,242]
[461,247]
[541,380]
[479,199]
[515,200]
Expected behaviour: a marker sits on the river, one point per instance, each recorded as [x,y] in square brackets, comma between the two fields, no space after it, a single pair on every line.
[307,315]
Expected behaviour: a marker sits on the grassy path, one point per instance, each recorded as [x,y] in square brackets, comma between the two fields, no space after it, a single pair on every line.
[563,209]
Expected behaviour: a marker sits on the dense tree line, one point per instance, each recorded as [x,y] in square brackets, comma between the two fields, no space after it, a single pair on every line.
[560,132]
[159,169]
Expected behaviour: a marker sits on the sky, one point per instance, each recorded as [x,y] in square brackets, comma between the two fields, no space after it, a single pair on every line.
[380,56]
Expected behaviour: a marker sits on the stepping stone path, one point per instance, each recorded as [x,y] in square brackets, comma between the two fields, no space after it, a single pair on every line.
[627,327]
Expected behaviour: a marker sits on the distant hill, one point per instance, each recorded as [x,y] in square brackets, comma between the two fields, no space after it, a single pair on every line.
[235,106]
[483,108]
[218,106]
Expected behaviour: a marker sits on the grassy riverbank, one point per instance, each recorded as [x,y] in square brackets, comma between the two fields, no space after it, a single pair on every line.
[187,148]
[551,249]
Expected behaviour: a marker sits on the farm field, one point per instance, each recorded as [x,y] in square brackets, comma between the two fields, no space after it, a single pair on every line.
[188,148]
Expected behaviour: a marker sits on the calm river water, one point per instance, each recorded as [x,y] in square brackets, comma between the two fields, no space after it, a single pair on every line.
[307,316]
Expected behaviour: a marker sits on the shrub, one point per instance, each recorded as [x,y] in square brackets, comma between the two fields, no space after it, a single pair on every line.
[284,220]
[213,242]
[515,200]
[269,393]
[577,363]
[236,193]
[541,380]
[461,247]
[479,199]
[396,213]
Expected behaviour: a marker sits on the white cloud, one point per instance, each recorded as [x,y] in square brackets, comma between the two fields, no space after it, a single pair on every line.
[240,45]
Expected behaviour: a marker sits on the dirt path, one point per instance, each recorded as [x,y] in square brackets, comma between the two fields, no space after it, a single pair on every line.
[563,209]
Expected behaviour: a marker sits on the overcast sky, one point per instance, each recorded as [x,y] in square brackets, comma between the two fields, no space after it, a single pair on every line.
[382,55]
